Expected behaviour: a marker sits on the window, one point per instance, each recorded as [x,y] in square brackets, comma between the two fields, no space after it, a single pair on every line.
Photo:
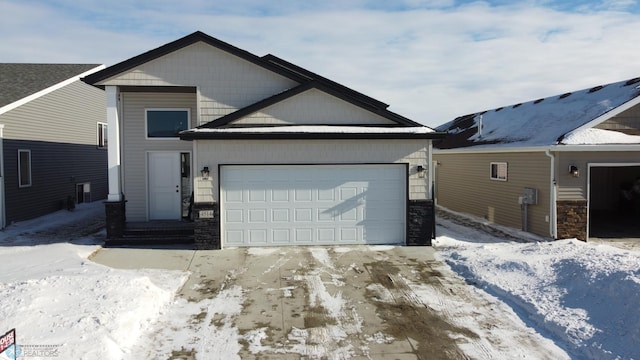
[166,123]
[24,168]
[499,171]
[102,136]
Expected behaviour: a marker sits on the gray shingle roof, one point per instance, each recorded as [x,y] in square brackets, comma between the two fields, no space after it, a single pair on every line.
[21,80]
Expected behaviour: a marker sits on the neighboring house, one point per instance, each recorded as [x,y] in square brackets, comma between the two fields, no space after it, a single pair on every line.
[53,139]
[272,153]
[560,167]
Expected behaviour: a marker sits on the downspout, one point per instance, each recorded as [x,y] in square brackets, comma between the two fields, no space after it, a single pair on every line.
[553,224]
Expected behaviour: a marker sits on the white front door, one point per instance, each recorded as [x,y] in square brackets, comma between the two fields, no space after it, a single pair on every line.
[164,186]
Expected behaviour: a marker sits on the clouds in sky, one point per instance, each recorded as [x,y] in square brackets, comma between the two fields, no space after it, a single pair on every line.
[432,60]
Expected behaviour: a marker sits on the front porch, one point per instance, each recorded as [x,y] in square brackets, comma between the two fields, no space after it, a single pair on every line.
[157,232]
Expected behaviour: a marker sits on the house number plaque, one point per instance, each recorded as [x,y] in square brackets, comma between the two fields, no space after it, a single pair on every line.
[206,214]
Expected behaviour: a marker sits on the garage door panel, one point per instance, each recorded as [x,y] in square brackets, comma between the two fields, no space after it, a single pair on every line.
[313,204]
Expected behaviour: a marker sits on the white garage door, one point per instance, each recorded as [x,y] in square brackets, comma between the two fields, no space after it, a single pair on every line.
[313,204]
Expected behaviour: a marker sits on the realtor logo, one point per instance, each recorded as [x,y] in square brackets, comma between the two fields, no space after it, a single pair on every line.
[8,340]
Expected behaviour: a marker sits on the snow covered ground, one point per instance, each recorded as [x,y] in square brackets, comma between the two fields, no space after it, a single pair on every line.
[585,298]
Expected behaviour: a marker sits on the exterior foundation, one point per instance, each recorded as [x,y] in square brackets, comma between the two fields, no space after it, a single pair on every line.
[115,219]
[572,219]
[421,222]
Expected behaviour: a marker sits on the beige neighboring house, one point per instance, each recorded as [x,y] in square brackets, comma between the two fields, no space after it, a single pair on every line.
[258,152]
[559,167]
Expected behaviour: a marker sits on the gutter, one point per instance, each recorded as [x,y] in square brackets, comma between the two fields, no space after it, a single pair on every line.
[553,211]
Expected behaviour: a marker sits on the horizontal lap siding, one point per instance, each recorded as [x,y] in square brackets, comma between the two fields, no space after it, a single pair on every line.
[60,129]
[575,188]
[213,153]
[136,146]
[463,184]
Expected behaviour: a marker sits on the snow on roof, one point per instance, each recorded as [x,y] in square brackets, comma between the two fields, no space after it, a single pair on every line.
[320,129]
[540,122]
[598,137]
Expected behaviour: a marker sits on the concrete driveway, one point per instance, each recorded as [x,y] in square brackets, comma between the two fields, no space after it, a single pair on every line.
[361,302]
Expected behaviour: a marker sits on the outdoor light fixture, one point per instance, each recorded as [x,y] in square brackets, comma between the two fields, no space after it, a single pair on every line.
[205,172]
[420,170]
[573,170]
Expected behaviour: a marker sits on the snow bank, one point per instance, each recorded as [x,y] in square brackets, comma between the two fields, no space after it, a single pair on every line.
[598,137]
[585,296]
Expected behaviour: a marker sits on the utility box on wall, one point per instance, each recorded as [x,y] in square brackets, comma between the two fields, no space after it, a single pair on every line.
[530,196]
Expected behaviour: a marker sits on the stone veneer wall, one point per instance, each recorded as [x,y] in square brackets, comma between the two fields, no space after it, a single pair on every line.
[572,219]
[420,222]
[207,226]
[115,219]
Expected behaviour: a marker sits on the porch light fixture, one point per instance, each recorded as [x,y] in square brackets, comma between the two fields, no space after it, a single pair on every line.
[420,170]
[574,171]
[205,172]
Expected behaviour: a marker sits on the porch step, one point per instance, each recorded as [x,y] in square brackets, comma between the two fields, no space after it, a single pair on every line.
[159,233]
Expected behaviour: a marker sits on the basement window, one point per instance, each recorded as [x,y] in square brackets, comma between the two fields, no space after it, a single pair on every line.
[498,171]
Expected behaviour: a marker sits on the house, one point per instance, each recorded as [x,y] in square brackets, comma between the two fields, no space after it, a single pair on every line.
[259,152]
[559,167]
[53,140]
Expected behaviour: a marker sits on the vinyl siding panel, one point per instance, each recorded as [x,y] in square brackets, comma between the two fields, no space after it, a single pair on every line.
[225,82]
[627,120]
[314,107]
[575,188]
[60,129]
[135,146]
[463,184]
[237,152]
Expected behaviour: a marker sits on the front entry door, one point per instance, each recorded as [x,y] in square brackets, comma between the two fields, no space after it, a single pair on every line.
[164,186]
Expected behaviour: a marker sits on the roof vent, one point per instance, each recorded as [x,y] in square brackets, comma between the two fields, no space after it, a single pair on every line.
[632,81]
[538,101]
[516,105]
[594,89]
[564,95]
[500,108]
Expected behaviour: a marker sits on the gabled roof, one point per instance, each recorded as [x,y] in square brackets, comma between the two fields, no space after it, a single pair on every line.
[312,84]
[18,81]
[542,122]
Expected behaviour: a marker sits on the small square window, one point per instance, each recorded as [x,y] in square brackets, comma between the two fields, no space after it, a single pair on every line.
[102,136]
[166,123]
[24,168]
[498,171]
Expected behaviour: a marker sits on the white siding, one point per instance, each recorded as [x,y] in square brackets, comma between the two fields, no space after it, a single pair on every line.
[314,107]
[136,146]
[237,152]
[225,82]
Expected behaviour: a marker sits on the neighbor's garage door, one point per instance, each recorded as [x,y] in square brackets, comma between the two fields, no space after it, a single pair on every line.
[313,204]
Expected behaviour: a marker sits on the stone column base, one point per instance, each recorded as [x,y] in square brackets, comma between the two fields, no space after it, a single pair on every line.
[572,219]
[207,226]
[421,222]
[115,218]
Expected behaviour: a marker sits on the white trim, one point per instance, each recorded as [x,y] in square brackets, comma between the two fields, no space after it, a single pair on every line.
[498,163]
[48,90]
[112,94]
[555,148]
[146,123]
[20,167]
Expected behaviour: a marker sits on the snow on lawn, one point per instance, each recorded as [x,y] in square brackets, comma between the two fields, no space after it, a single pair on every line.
[583,296]
[53,296]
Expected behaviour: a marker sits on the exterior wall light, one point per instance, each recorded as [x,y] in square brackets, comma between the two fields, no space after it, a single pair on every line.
[205,172]
[574,171]
[420,170]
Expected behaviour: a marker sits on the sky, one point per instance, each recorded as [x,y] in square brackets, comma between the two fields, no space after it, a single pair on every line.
[430,60]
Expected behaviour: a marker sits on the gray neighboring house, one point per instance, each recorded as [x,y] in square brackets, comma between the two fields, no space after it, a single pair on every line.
[560,167]
[259,152]
[53,139]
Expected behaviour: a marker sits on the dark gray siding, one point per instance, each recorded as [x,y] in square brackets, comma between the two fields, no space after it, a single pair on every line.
[56,168]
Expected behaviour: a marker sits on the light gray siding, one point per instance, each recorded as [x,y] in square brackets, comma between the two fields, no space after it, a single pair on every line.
[625,121]
[60,129]
[136,147]
[314,107]
[237,152]
[463,184]
[225,82]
